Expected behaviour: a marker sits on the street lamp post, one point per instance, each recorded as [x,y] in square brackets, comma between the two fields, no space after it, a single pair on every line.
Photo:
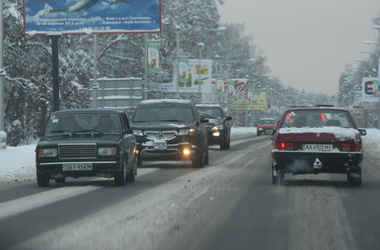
[200,48]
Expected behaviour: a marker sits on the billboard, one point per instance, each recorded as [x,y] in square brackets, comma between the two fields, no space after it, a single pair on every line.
[371,87]
[57,17]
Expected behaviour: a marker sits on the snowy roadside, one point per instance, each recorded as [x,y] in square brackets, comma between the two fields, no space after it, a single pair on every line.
[17,164]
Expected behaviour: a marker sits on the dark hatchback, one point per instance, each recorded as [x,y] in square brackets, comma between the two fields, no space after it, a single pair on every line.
[317,140]
[86,142]
[218,126]
[170,130]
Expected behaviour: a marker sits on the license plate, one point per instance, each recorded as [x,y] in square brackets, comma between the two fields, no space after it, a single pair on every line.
[317,147]
[77,167]
[159,145]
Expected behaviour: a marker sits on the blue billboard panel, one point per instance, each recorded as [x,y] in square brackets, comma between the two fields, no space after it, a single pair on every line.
[54,17]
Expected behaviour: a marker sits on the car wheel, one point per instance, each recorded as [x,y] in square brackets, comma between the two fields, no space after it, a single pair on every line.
[139,161]
[228,143]
[43,180]
[356,180]
[277,178]
[199,161]
[120,178]
[60,180]
[206,156]
[131,175]
[224,144]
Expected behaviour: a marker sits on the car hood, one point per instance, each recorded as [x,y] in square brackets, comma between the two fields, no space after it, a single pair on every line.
[161,125]
[323,134]
[80,139]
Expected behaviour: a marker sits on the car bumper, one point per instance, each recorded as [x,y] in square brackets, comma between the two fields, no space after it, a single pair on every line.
[317,162]
[99,168]
[173,152]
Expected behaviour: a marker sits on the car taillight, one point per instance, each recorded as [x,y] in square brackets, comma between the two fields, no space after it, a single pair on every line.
[284,146]
[357,147]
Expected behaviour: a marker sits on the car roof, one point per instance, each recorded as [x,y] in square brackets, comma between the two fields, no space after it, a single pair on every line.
[317,108]
[155,101]
[267,118]
[68,111]
[208,105]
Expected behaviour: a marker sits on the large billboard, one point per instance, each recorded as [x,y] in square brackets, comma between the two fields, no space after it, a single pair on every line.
[371,87]
[57,17]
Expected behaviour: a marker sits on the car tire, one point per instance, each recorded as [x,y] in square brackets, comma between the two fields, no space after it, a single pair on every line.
[60,180]
[277,179]
[224,144]
[43,180]
[139,161]
[120,178]
[206,161]
[355,181]
[199,161]
[131,175]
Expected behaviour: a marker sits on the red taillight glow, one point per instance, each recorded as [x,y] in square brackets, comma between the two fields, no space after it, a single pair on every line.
[284,146]
[323,117]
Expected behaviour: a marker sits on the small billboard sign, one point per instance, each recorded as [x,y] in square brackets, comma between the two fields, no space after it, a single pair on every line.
[57,17]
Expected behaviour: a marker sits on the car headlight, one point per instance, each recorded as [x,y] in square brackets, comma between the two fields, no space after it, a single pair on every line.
[107,151]
[47,152]
[217,127]
[186,131]
[138,133]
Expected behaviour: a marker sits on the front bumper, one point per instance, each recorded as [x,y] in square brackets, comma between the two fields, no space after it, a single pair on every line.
[299,162]
[173,152]
[99,168]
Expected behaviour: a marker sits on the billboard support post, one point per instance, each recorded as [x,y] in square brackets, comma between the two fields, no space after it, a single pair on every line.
[378,93]
[95,85]
[55,62]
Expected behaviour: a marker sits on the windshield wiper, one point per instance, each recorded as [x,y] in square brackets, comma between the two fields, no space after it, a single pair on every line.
[62,131]
[90,131]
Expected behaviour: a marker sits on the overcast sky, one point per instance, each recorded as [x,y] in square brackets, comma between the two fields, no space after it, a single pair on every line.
[307,43]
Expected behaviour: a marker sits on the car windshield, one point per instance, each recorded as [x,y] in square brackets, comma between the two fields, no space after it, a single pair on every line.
[211,112]
[317,118]
[83,123]
[267,121]
[168,113]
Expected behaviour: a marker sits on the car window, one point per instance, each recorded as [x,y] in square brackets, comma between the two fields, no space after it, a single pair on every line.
[81,122]
[267,121]
[211,112]
[150,113]
[317,118]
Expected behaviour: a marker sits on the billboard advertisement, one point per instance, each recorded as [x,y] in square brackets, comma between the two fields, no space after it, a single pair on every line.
[57,17]
[370,92]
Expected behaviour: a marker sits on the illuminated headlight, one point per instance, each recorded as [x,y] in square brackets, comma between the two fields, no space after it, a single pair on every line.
[186,151]
[186,131]
[218,127]
[47,152]
[107,151]
[216,133]
[138,133]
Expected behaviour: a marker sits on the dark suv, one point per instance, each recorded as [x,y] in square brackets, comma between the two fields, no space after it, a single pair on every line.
[170,129]
[218,126]
[312,140]
[86,142]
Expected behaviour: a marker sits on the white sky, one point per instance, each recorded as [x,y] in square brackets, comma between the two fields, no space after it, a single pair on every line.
[307,43]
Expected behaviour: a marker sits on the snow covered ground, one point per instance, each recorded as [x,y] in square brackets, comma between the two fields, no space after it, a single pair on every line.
[17,164]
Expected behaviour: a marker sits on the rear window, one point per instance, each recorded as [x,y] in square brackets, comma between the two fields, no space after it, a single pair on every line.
[317,118]
[267,121]
[211,112]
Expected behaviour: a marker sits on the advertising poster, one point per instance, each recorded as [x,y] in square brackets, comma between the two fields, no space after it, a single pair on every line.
[56,17]
[358,99]
[198,72]
[260,101]
[153,56]
[370,92]
[184,72]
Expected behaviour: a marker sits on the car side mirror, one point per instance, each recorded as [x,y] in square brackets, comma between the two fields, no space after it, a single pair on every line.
[362,131]
[228,118]
[204,120]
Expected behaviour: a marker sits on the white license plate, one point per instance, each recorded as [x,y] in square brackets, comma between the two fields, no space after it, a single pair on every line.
[160,145]
[317,147]
[77,167]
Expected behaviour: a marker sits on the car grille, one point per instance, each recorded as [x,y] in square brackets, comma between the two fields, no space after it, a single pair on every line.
[161,135]
[77,150]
